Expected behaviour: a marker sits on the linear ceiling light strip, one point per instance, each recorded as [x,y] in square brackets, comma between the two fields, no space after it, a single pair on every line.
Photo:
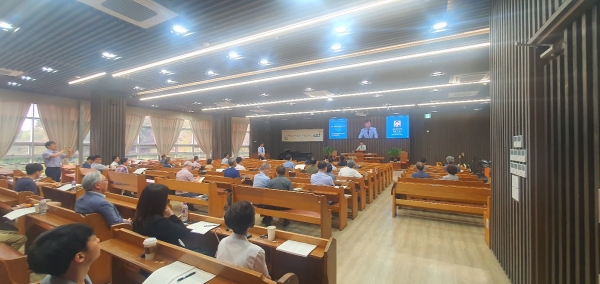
[87,78]
[347,95]
[259,36]
[323,60]
[362,64]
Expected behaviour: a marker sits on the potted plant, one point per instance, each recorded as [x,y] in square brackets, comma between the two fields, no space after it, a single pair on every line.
[327,151]
[394,153]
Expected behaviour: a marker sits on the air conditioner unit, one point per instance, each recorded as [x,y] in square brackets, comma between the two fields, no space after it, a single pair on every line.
[142,13]
[9,72]
[470,78]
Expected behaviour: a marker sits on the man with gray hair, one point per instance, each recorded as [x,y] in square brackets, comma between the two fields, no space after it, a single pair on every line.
[262,179]
[185,174]
[450,161]
[94,200]
[349,171]
[231,172]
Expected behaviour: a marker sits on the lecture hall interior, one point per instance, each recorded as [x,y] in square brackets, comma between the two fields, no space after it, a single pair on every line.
[300,141]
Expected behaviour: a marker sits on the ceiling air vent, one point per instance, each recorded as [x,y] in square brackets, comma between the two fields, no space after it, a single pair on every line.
[319,94]
[470,78]
[462,94]
[8,72]
[142,13]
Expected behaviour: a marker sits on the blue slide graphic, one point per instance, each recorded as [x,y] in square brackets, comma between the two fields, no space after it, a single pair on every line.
[397,127]
[338,128]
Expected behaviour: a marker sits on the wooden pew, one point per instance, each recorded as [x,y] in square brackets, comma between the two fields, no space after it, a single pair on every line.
[125,205]
[318,267]
[486,223]
[446,182]
[339,198]
[459,199]
[153,174]
[66,198]
[13,266]
[10,198]
[125,248]
[304,207]
[216,200]
[118,182]
[362,191]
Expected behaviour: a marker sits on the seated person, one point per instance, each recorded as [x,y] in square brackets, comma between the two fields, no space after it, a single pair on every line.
[163,157]
[154,218]
[452,171]
[236,249]
[225,159]
[27,183]
[342,162]
[310,167]
[238,164]
[88,163]
[281,182]
[208,164]
[349,171]
[94,201]
[97,164]
[185,174]
[65,253]
[13,239]
[262,179]
[123,166]
[195,163]
[231,172]
[115,162]
[450,161]
[288,162]
[420,173]
[167,163]
[424,161]
[330,161]
[329,173]
[321,177]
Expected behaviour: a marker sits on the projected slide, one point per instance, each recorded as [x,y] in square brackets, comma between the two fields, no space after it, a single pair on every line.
[397,126]
[338,128]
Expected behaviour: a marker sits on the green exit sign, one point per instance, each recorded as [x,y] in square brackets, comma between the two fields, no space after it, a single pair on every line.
[428,115]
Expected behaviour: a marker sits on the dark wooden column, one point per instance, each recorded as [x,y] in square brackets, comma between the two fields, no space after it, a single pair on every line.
[221,139]
[107,126]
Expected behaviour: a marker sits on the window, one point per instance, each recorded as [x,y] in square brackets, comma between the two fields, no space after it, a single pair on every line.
[29,143]
[245,150]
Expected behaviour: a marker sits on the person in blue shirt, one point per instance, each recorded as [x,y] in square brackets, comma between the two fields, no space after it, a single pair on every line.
[94,200]
[53,159]
[167,163]
[288,163]
[231,172]
[368,131]
[420,173]
[88,163]
[27,183]
[262,179]
[225,159]
[321,177]
[261,151]
[329,173]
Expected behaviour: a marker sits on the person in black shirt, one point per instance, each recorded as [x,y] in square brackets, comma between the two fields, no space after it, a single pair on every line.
[27,183]
[342,162]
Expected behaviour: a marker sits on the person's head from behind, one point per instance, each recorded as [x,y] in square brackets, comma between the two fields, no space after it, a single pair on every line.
[208,161]
[420,166]
[238,160]
[167,160]
[34,169]
[98,159]
[342,158]
[153,201]
[351,163]
[288,157]
[188,165]
[124,162]
[115,159]
[265,168]
[163,156]
[226,155]
[95,181]
[50,145]
[231,162]
[322,166]
[424,161]
[450,160]
[90,159]
[309,162]
[330,160]
[367,123]
[239,217]
[195,158]
[329,168]
[452,169]
[280,170]
[68,247]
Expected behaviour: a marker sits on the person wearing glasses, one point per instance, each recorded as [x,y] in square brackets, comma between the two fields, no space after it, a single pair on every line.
[94,200]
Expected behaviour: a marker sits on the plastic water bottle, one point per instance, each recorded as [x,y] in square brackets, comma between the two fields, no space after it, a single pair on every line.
[73,184]
[43,206]
[184,212]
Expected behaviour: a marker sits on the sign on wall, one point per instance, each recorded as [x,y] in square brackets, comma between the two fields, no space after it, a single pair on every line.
[302,135]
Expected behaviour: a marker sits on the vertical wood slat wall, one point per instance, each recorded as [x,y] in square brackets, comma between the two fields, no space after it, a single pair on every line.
[107,125]
[551,235]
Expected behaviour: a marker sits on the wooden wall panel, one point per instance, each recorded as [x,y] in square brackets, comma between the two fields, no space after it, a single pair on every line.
[107,125]
[221,139]
[551,234]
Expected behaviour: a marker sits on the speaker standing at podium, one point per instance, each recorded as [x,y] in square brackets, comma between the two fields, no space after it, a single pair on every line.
[361,147]
[261,151]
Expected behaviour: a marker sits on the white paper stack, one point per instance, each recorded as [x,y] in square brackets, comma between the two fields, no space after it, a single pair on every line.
[296,248]
[300,167]
[176,272]
[65,187]
[202,227]
[19,212]
[140,171]
[220,170]
[200,179]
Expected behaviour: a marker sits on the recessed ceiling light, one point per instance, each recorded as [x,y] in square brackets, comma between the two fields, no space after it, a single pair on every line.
[340,31]
[196,103]
[264,95]
[5,26]
[211,73]
[87,78]
[166,72]
[27,78]
[309,89]
[330,99]
[477,109]
[307,118]
[227,99]
[377,95]
[387,104]
[436,74]
[365,82]
[15,84]
[108,55]
[169,81]
[440,25]
[49,70]
[234,55]
[190,111]
[396,113]
[138,88]
[179,29]
[434,111]
[435,90]
[17,29]
[336,47]
[154,105]
[264,62]
[291,104]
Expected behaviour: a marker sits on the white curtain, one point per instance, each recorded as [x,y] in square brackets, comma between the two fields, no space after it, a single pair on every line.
[60,123]
[133,125]
[202,129]
[166,131]
[12,115]
[239,125]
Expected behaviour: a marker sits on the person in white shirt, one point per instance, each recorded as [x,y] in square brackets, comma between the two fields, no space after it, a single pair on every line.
[239,166]
[261,151]
[349,171]
[452,171]
[361,147]
[97,165]
[236,249]
[115,163]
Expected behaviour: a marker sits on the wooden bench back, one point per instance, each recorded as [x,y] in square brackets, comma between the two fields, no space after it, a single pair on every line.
[117,182]
[282,198]
[160,174]
[14,268]
[19,197]
[446,182]
[215,203]
[223,182]
[300,180]
[473,195]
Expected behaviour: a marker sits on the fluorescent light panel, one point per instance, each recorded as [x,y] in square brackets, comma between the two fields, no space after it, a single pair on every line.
[346,95]
[362,64]
[87,78]
[258,36]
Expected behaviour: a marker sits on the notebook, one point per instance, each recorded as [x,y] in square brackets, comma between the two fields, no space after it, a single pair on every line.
[65,187]
[178,272]
[19,212]
[140,171]
[296,248]
[202,227]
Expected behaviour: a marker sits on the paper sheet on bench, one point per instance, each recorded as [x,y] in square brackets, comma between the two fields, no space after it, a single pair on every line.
[220,170]
[202,227]
[176,270]
[65,187]
[140,171]
[300,167]
[19,212]
[137,162]
[296,248]
[200,179]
